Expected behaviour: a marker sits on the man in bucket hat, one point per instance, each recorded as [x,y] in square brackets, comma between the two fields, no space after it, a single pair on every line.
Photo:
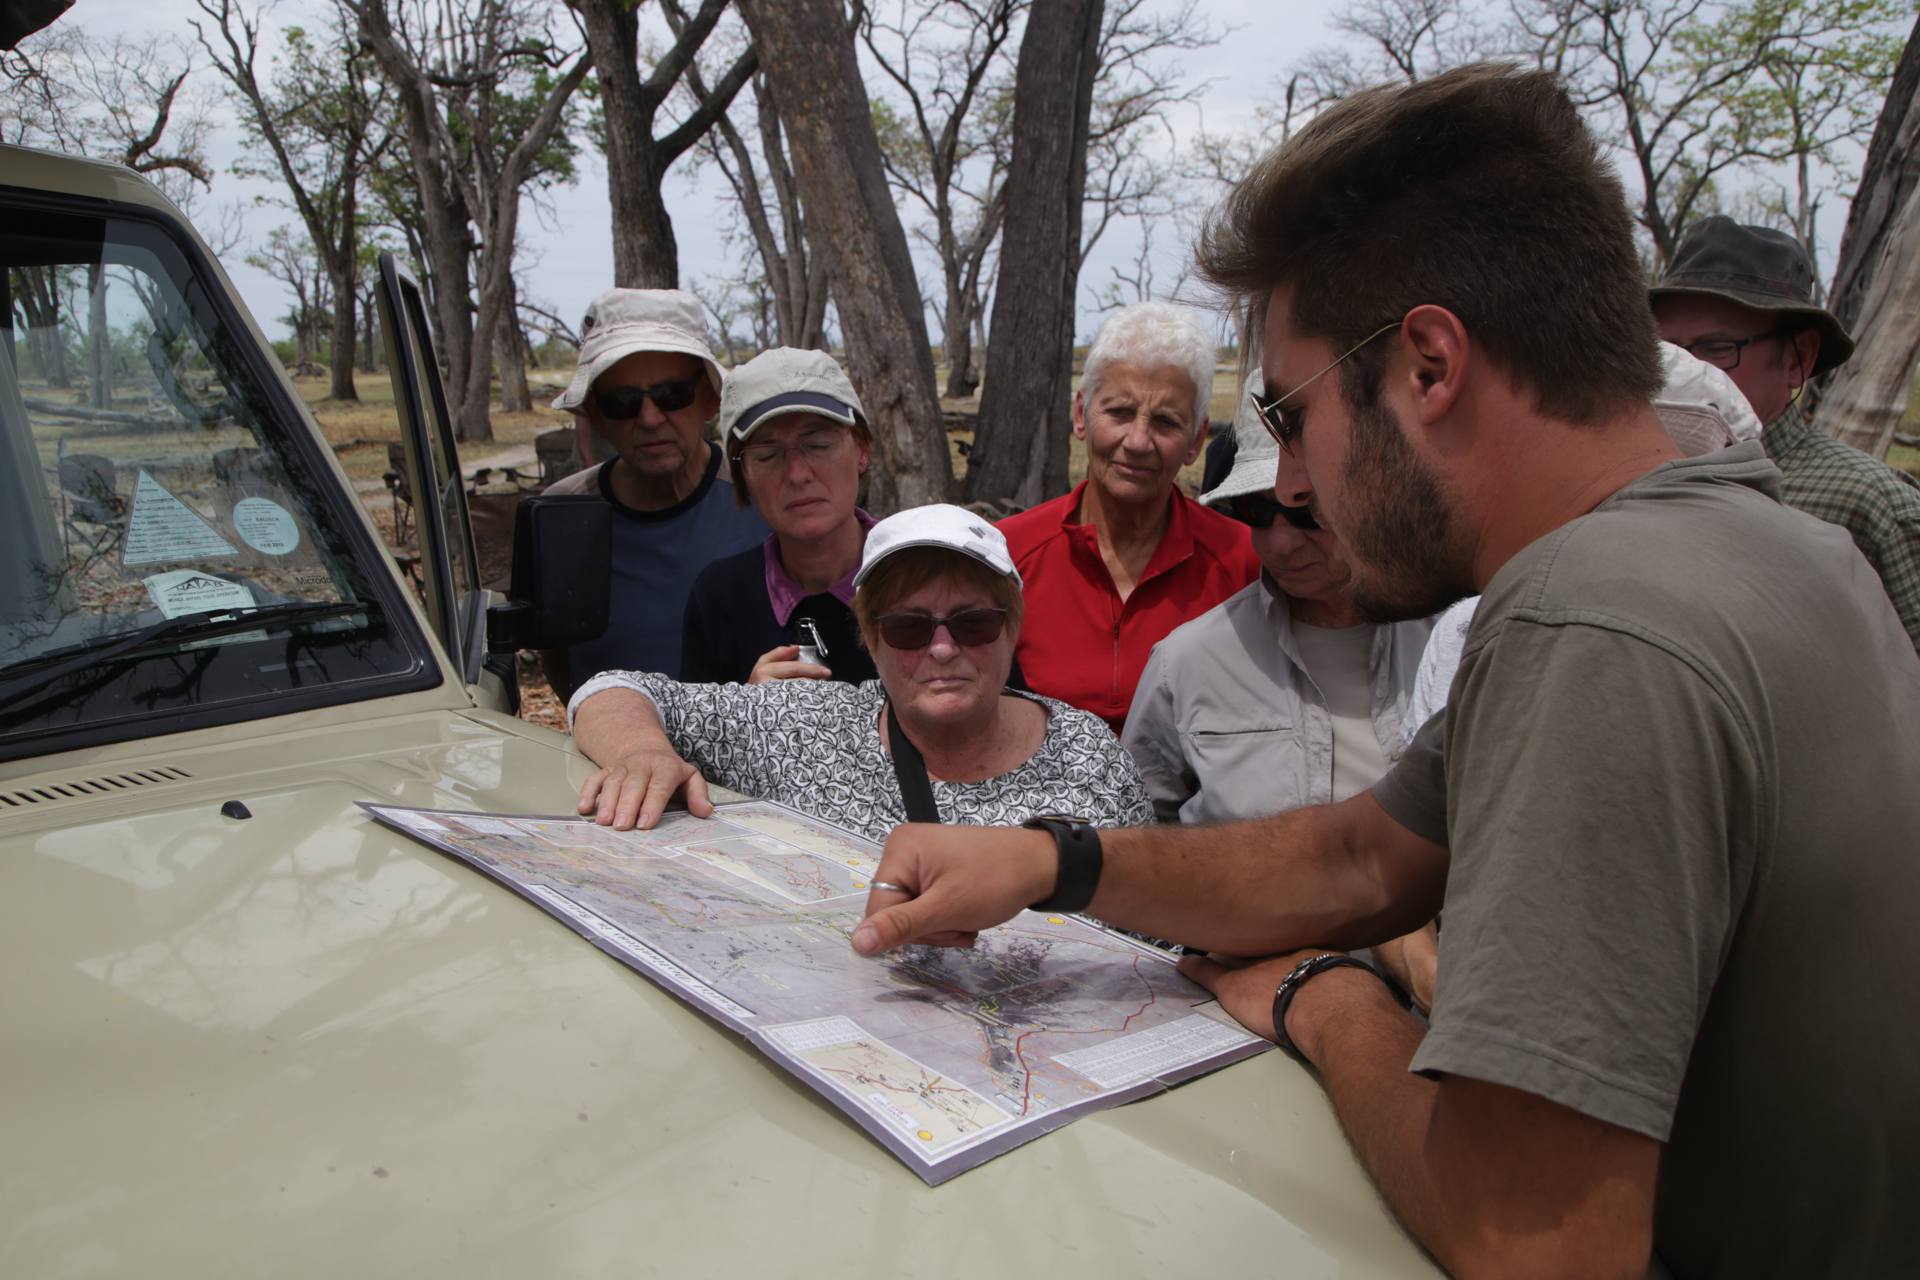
[647,382]
[1741,298]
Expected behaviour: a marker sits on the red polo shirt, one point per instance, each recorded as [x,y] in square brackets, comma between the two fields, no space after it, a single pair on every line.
[1079,642]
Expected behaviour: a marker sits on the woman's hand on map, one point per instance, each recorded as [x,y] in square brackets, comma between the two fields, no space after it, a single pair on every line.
[633,791]
[640,772]
[957,881]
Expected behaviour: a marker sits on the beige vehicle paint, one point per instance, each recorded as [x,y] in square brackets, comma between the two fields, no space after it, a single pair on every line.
[301,1045]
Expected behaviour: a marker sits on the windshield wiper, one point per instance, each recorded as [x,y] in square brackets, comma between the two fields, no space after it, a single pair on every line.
[51,666]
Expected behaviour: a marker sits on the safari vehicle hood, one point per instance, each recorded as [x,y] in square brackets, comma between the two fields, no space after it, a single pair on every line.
[299,1044]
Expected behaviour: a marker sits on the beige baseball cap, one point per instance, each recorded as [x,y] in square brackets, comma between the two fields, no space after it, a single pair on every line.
[621,322]
[785,379]
[939,525]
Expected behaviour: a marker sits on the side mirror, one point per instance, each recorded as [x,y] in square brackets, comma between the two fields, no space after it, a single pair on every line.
[562,575]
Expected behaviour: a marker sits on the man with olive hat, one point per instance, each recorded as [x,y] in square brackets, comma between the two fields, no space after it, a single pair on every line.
[1741,298]
[647,383]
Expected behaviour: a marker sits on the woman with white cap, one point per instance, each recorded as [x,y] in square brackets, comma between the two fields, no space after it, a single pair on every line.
[938,736]
[797,445]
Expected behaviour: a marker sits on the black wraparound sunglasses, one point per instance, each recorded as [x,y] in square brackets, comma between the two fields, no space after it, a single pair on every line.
[1259,510]
[618,404]
[915,630]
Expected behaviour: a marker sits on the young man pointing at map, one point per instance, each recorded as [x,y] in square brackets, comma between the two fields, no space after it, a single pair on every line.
[1668,810]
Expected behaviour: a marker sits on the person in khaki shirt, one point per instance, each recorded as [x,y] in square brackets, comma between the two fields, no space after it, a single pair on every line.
[1281,695]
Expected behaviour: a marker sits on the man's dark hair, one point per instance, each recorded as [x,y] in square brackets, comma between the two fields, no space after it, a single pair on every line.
[1481,191]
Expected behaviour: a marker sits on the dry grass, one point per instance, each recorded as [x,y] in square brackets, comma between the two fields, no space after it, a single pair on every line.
[359,429]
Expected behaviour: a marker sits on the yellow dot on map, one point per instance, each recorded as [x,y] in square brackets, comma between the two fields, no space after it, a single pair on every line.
[858,885]
[1056,919]
[852,863]
[925,1136]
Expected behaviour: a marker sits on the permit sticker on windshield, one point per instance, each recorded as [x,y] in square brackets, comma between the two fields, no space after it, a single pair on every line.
[162,528]
[266,526]
[187,591]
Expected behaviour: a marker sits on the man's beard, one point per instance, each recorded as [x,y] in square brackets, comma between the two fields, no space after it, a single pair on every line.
[1408,558]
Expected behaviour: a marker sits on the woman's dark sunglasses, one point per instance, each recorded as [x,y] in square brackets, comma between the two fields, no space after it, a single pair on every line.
[1259,509]
[618,404]
[915,630]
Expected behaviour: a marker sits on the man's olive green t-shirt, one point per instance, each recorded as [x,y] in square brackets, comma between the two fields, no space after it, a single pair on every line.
[1679,775]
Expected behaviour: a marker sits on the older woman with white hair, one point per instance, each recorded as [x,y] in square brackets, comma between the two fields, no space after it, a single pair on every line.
[1125,558]
[937,738]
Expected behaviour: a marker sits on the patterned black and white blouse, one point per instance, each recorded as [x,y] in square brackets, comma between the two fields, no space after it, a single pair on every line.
[815,745]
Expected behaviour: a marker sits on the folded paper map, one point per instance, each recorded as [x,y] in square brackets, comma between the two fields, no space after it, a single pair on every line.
[948,1057]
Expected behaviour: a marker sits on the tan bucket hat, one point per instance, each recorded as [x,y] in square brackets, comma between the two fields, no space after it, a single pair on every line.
[621,322]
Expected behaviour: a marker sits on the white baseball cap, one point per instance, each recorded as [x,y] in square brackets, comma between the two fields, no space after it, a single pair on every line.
[790,380]
[622,322]
[1256,454]
[939,525]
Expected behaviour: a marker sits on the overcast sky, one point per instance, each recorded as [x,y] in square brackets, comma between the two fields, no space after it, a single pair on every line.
[571,245]
[570,242]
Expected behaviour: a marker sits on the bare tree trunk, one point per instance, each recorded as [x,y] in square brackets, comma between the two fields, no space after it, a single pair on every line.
[515,396]
[99,341]
[807,50]
[1876,283]
[645,253]
[340,266]
[1020,450]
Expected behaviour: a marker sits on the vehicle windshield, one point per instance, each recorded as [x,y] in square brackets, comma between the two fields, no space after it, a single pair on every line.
[158,479]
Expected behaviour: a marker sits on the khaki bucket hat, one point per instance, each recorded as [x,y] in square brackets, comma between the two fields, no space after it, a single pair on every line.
[622,322]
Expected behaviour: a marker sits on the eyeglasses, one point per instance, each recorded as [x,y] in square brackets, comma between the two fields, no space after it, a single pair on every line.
[1259,509]
[1725,353]
[619,404]
[915,630]
[818,448]
[1283,424]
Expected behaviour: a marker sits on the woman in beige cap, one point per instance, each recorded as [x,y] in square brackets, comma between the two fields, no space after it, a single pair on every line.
[797,446]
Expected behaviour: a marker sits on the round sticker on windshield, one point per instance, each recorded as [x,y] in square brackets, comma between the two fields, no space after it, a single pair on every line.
[266,526]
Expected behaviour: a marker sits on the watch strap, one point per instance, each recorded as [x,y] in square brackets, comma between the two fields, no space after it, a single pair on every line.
[1297,978]
[1081,860]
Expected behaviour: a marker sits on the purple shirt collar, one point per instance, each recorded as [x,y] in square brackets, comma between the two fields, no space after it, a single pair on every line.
[785,594]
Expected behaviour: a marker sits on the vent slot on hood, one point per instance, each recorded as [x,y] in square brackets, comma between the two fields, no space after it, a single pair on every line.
[106,784]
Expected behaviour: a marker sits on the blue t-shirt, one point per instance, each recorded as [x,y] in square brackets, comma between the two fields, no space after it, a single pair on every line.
[656,557]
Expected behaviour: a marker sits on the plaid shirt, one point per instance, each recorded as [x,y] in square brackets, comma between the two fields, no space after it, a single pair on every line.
[1877,504]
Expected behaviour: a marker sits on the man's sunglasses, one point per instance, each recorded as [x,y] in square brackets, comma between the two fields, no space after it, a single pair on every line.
[618,404]
[1284,424]
[1259,509]
[915,630]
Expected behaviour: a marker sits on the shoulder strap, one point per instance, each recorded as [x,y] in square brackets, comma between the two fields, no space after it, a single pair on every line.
[911,771]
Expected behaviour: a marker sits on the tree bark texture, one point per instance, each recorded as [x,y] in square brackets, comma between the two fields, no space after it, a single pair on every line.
[645,253]
[1876,282]
[807,53]
[1020,450]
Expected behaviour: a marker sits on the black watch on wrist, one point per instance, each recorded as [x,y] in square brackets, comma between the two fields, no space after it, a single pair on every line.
[1297,978]
[1080,861]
